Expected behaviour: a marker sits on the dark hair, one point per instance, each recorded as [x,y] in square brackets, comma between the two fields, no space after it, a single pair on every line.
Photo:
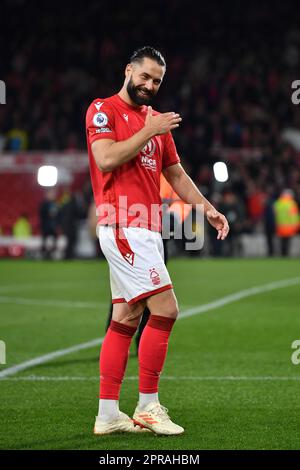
[150,52]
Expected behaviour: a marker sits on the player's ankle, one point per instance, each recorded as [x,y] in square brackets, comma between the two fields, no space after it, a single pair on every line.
[108,410]
[146,398]
[107,418]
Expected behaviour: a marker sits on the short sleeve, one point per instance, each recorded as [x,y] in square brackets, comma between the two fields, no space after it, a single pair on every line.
[100,121]
[170,155]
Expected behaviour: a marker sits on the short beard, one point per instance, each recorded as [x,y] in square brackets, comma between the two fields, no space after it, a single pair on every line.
[140,100]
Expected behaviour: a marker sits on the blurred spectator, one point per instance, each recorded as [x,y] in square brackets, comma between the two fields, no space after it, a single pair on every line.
[16,137]
[269,220]
[2,142]
[49,224]
[22,227]
[287,219]
[92,225]
[67,221]
[234,211]
[255,203]
[175,214]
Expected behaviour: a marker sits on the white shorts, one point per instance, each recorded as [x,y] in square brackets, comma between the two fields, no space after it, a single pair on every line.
[136,261]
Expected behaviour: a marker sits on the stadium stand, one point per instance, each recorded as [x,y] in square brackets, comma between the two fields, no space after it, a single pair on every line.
[229,75]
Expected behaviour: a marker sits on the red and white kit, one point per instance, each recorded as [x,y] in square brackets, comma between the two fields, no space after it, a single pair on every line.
[127,199]
[136,262]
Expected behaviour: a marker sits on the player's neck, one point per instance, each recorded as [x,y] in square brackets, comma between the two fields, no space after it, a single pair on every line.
[123,94]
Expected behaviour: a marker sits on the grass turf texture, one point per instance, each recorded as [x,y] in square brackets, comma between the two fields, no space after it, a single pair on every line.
[49,306]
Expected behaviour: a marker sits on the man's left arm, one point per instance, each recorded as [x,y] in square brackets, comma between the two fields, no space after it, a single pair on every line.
[189,193]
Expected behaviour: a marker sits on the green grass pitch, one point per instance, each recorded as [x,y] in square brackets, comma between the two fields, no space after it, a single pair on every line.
[228,379]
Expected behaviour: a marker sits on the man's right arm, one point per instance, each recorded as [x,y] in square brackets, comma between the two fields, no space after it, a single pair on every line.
[110,154]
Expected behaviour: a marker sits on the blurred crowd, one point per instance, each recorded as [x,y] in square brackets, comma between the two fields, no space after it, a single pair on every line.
[229,74]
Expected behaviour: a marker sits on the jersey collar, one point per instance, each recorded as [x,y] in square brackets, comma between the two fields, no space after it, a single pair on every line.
[123,103]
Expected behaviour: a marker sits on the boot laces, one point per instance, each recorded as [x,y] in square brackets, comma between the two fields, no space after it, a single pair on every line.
[161,412]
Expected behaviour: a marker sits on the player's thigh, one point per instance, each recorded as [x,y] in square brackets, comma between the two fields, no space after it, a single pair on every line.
[163,303]
[128,314]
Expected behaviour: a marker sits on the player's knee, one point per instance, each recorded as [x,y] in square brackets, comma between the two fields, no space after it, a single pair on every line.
[122,313]
[173,311]
[170,309]
[134,312]
[133,315]
[164,304]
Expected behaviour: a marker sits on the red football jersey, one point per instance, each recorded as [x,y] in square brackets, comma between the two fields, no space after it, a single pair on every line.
[130,194]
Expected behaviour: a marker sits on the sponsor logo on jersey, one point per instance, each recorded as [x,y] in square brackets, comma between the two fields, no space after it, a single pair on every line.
[98,105]
[100,119]
[148,163]
[125,117]
[102,130]
[149,148]
[146,155]
[154,276]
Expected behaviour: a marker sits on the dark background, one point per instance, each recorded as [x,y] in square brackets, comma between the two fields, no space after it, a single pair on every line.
[230,66]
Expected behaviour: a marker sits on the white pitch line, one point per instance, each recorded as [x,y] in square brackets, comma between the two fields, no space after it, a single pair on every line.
[54,303]
[229,378]
[240,295]
[51,303]
[45,285]
[48,357]
[188,313]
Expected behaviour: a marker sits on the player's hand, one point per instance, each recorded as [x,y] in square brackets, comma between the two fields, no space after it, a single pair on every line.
[219,222]
[161,123]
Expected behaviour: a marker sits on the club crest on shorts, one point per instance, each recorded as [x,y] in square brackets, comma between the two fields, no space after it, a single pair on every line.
[154,276]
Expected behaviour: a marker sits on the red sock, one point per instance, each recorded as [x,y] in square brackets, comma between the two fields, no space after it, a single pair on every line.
[152,352]
[113,359]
